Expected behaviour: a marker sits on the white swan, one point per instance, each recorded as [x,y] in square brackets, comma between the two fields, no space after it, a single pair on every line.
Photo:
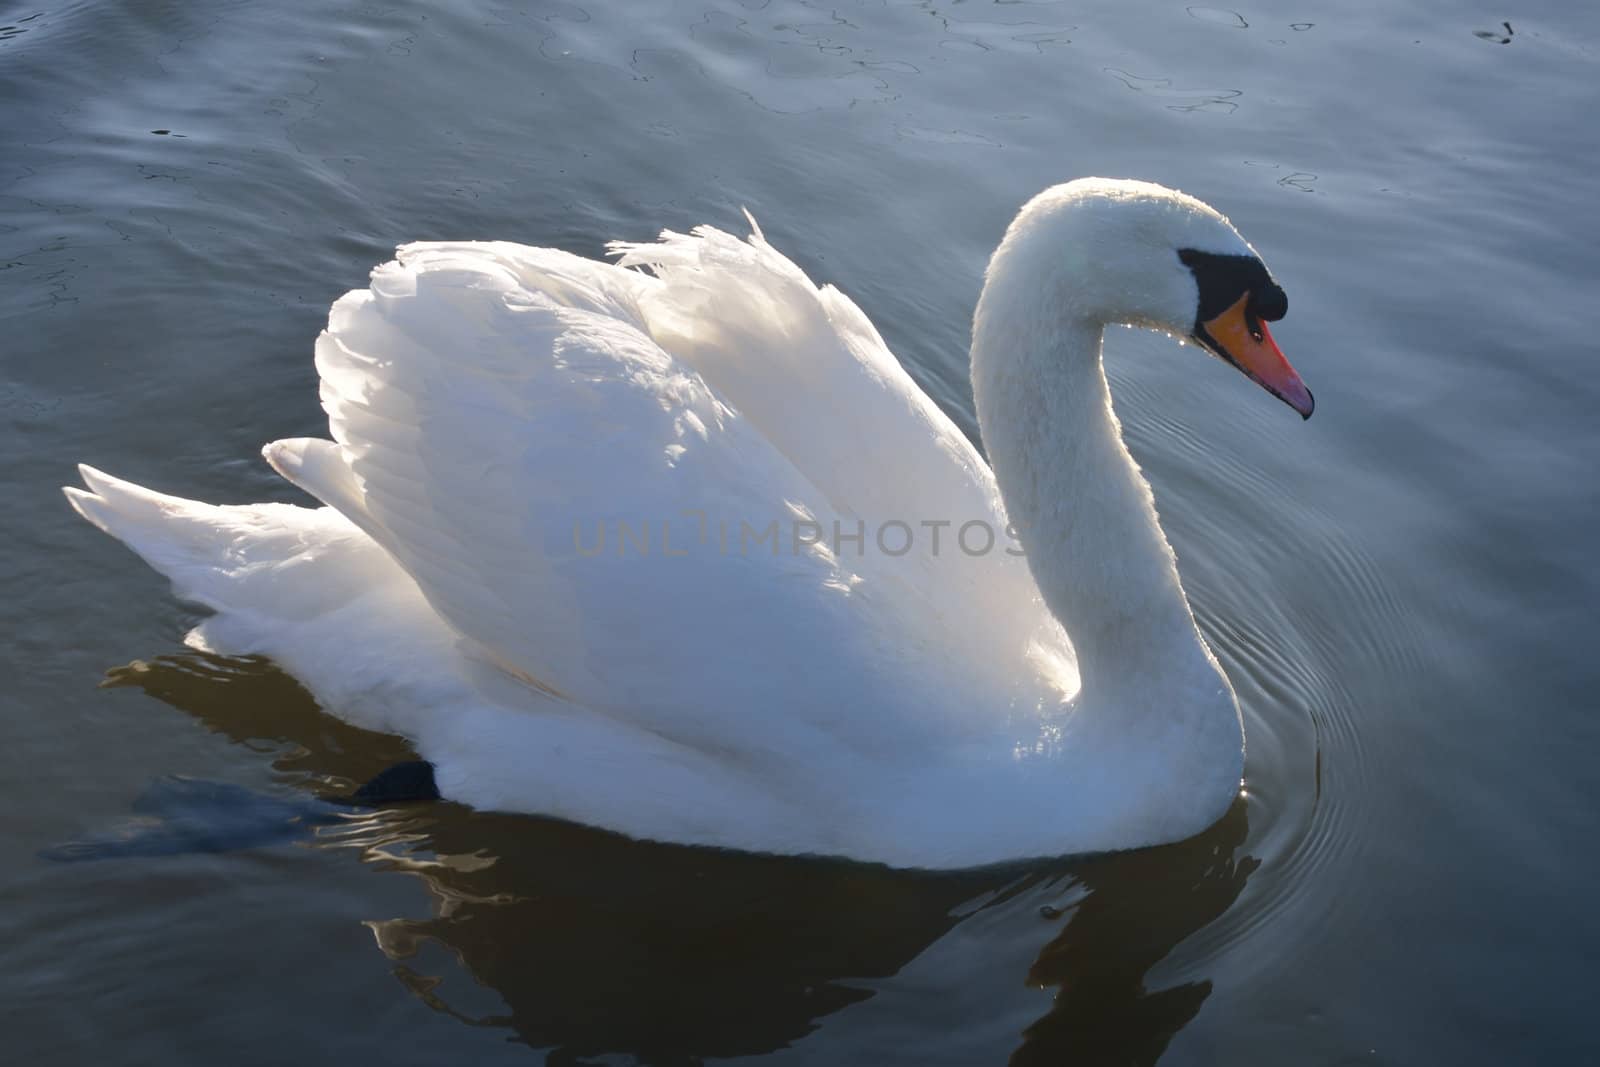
[797,635]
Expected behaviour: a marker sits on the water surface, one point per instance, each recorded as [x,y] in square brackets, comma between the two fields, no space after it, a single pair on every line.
[1401,589]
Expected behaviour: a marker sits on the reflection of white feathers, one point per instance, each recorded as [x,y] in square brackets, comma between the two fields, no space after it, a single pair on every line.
[546,556]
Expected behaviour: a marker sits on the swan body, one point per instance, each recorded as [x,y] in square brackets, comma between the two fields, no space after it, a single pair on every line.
[683,552]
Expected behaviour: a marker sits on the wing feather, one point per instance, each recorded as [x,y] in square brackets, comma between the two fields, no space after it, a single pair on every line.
[806,366]
[489,430]
[494,408]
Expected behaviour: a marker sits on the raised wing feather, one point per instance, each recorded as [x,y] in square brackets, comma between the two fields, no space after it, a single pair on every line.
[807,368]
[584,507]
[497,444]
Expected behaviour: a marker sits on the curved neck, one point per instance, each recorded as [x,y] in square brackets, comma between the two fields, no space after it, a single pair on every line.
[1082,510]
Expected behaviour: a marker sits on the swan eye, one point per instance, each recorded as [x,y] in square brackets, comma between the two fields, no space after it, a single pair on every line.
[1252,322]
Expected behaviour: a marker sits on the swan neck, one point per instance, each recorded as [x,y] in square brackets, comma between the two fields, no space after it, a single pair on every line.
[1082,509]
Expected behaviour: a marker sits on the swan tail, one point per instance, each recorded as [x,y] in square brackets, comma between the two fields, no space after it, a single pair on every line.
[185,540]
[261,561]
[304,586]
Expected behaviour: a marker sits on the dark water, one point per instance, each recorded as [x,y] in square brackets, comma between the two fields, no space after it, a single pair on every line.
[1402,589]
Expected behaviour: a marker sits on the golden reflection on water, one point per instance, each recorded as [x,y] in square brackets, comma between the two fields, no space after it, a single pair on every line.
[597,944]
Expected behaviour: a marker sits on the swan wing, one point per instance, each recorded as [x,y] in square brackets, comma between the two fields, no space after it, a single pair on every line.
[803,365]
[585,510]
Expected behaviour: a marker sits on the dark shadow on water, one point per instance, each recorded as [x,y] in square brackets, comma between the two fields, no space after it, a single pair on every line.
[1139,906]
[596,944]
[177,814]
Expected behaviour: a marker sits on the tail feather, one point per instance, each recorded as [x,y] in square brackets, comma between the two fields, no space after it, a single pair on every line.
[223,557]
[183,539]
[302,585]
[113,504]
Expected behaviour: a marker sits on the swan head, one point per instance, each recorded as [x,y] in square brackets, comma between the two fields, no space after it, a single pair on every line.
[1132,252]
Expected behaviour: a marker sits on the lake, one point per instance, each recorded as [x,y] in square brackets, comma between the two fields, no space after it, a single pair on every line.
[1403,589]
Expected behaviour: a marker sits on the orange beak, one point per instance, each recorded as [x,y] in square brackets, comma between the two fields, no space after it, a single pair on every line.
[1242,339]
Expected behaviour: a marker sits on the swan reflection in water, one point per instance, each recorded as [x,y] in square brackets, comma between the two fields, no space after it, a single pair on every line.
[602,945]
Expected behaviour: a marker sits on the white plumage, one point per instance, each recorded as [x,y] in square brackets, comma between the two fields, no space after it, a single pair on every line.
[497,409]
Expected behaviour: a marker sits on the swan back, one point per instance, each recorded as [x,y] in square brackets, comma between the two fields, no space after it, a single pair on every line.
[809,372]
[587,509]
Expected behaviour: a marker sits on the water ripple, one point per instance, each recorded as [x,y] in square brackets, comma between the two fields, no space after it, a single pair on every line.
[1220,100]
